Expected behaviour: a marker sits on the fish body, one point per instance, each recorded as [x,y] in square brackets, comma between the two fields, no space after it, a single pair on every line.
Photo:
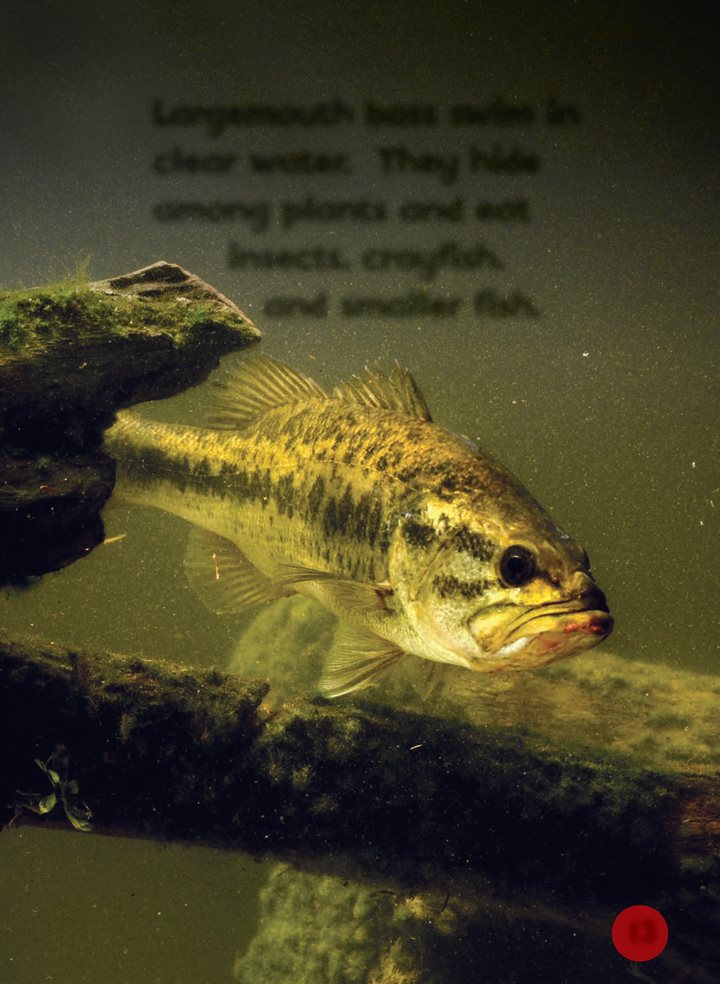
[421,543]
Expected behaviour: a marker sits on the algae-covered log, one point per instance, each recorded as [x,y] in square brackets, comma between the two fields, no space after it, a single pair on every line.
[320,928]
[660,716]
[70,355]
[73,353]
[162,751]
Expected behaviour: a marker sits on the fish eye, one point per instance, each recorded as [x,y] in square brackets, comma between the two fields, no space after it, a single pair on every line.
[517,565]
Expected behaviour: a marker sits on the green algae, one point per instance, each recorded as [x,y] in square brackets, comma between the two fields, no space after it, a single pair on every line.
[71,355]
[31,321]
[301,943]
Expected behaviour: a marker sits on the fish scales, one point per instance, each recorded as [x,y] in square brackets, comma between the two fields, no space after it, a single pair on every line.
[326,468]
[298,483]
[423,543]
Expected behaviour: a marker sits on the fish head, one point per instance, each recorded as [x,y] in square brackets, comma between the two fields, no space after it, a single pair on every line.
[496,588]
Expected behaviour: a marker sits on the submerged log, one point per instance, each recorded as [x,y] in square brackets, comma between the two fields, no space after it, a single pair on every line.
[158,750]
[321,928]
[72,354]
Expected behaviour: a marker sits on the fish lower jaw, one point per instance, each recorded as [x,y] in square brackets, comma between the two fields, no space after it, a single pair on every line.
[513,647]
[543,641]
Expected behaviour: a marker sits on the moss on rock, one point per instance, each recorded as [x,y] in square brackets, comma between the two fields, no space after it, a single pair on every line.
[70,355]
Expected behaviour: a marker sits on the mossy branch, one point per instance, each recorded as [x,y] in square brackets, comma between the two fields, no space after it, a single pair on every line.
[156,750]
[161,750]
[71,354]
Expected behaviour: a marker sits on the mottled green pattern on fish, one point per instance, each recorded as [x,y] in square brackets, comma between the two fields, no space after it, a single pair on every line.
[360,501]
[326,479]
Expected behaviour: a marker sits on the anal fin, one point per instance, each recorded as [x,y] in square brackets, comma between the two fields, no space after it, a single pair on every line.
[224,579]
[357,659]
[429,678]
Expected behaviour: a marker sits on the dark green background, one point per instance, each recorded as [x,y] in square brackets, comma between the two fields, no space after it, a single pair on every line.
[620,443]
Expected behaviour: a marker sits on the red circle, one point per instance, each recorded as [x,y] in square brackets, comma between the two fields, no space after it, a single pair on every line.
[640,933]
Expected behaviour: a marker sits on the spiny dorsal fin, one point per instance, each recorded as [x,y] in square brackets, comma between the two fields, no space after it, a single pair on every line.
[257,385]
[224,579]
[396,391]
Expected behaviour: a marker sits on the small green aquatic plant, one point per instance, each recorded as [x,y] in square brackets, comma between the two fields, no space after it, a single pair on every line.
[73,279]
[64,792]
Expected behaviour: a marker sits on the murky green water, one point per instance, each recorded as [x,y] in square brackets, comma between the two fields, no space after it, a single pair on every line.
[110,909]
[84,908]
[607,407]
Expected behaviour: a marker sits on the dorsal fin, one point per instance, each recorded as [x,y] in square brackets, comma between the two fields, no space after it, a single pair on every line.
[396,391]
[257,385]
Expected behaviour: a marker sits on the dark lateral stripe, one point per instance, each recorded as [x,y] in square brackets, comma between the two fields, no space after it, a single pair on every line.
[447,586]
[153,466]
[316,496]
[359,520]
[284,495]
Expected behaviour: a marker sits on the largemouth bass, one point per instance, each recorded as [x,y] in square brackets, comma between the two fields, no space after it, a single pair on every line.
[420,542]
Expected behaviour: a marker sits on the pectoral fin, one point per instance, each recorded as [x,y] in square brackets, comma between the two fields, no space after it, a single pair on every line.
[345,594]
[223,577]
[356,661]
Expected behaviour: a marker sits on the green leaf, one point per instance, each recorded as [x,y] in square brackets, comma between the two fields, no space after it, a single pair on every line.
[47,803]
[78,821]
[50,773]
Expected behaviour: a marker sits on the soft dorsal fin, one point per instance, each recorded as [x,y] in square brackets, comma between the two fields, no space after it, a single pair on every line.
[257,385]
[396,391]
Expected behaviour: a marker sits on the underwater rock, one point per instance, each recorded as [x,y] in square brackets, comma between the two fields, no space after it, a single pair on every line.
[71,354]
[50,511]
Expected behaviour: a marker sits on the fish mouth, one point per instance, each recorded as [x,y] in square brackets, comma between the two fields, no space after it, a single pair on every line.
[590,603]
[555,630]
